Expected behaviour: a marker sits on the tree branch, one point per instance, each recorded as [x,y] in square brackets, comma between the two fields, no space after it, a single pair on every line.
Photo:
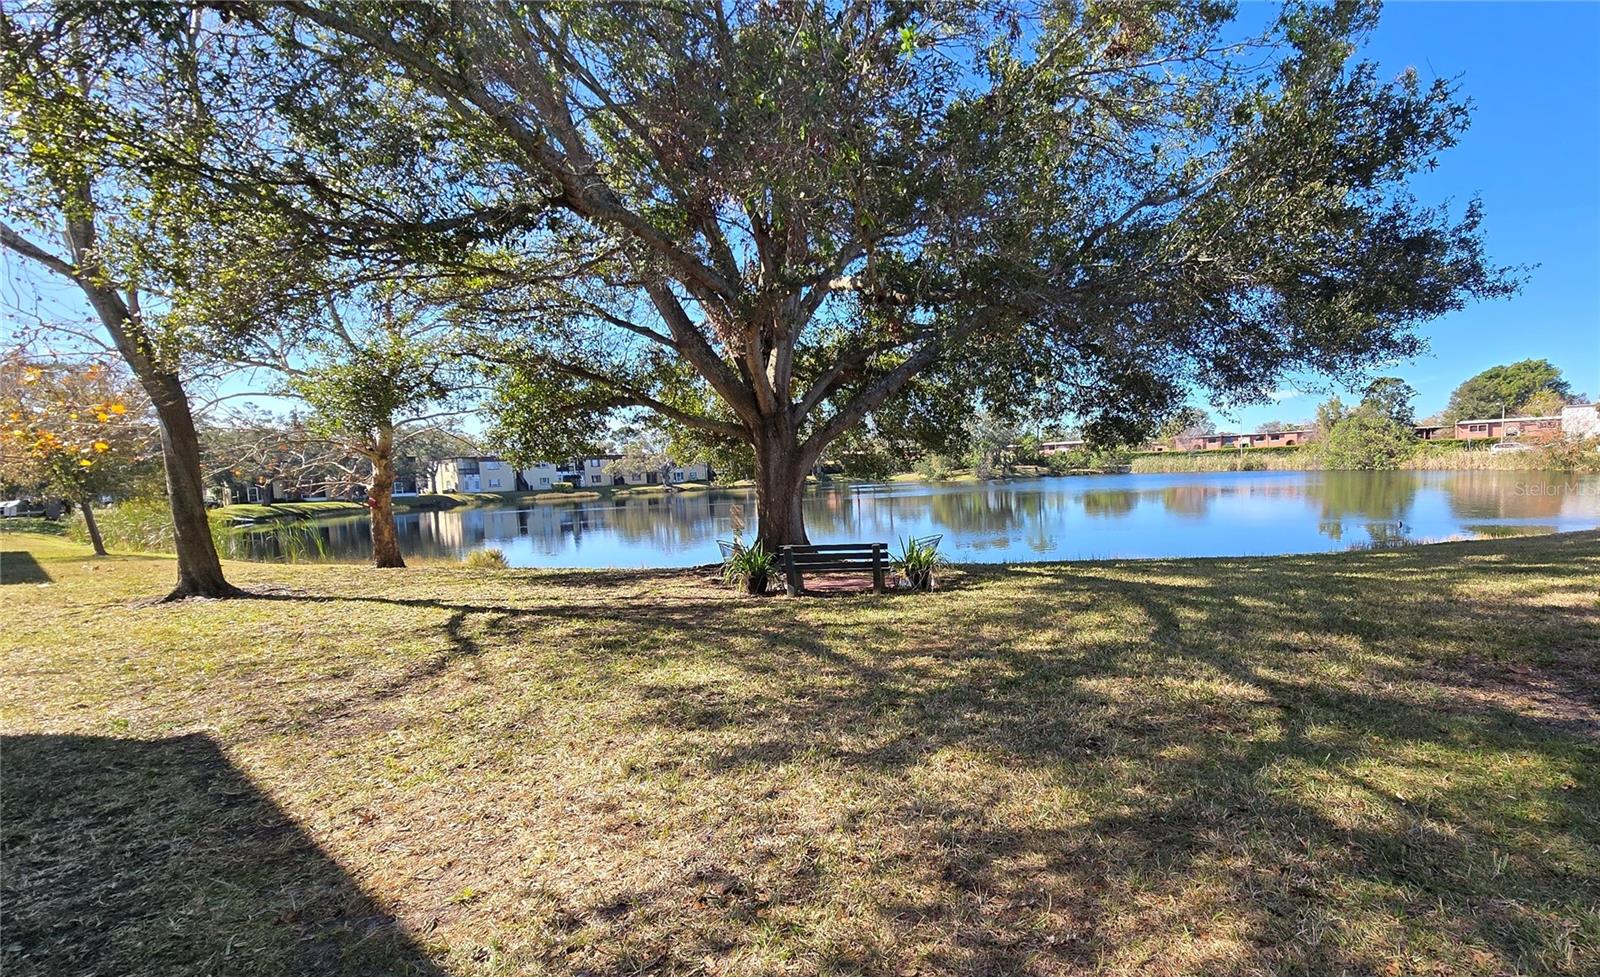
[21,245]
[881,389]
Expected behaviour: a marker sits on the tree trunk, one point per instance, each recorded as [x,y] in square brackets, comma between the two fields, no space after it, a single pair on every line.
[93,527]
[780,478]
[199,569]
[380,499]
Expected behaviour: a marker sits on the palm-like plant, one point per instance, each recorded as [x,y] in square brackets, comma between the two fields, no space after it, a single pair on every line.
[751,566]
[917,560]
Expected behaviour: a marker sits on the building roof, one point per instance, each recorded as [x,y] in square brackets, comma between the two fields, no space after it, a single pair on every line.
[1496,420]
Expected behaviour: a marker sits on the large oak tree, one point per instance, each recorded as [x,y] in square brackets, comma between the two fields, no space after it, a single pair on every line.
[773,224]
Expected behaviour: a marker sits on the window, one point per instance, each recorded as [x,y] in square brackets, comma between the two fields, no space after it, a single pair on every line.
[494,483]
[677,476]
[544,481]
[594,462]
[594,479]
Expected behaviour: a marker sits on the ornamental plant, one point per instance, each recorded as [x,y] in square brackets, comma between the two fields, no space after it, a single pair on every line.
[70,432]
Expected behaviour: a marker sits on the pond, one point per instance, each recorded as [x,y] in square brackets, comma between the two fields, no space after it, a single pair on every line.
[1071,518]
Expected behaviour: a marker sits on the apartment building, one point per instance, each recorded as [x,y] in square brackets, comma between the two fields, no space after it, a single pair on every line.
[474,473]
[489,473]
[1523,428]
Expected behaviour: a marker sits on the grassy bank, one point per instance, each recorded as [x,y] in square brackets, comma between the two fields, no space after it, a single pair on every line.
[1427,457]
[1365,763]
[446,500]
[145,525]
[427,502]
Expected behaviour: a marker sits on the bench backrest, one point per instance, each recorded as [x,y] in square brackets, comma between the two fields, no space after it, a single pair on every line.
[836,557]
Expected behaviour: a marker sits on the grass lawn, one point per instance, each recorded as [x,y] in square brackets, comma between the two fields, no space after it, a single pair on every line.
[1369,763]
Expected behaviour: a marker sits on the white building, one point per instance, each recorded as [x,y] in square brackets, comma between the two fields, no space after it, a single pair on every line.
[590,472]
[483,473]
[542,476]
[697,472]
[488,473]
[1580,421]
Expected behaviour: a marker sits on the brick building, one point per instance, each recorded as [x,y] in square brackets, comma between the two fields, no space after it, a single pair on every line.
[1539,429]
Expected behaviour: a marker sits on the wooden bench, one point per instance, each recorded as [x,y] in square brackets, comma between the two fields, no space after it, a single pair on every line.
[870,558]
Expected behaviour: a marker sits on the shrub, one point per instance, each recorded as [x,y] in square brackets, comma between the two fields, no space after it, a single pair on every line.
[33,524]
[917,561]
[750,566]
[145,526]
[1571,455]
[1092,459]
[486,559]
[1366,440]
[286,541]
[934,467]
[1230,460]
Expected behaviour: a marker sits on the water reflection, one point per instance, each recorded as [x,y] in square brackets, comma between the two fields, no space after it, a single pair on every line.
[1217,514]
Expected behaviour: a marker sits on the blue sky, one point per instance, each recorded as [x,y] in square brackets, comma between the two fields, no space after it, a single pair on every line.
[1533,154]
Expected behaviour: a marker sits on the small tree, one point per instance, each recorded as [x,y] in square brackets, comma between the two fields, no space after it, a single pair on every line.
[990,440]
[642,451]
[1544,403]
[74,431]
[385,370]
[866,454]
[1186,422]
[1391,397]
[73,80]
[1367,440]
[1329,413]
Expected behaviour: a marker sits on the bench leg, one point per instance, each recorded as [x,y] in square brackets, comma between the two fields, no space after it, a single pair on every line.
[791,579]
[877,571]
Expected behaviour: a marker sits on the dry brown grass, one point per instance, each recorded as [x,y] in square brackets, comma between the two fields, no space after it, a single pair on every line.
[1366,763]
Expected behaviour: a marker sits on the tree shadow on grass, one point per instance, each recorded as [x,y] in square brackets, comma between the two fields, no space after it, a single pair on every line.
[1276,751]
[17,566]
[134,857]
[1266,751]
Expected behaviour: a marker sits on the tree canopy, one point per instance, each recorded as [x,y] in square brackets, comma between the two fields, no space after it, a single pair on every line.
[79,431]
[1509,390]
[774,224]
[1393,398]
[1366,439]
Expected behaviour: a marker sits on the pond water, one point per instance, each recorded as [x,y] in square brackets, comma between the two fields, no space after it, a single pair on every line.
[1071,518]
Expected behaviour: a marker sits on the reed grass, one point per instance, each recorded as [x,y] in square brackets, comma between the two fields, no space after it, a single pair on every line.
[1560,456]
